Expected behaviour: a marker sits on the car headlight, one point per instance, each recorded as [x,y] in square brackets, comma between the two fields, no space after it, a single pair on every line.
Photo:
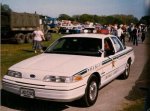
[65,79]
[14,74]
[59,79]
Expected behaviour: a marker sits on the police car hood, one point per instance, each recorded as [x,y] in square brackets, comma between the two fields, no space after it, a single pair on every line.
[56,64]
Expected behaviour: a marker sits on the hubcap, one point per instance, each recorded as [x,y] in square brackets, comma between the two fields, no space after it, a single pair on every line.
[93,90]
[127,69]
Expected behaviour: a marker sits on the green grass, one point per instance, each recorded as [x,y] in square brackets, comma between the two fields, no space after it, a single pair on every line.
[13,53]
[136,106]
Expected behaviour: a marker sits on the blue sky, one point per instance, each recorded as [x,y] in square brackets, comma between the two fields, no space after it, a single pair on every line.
[73,7]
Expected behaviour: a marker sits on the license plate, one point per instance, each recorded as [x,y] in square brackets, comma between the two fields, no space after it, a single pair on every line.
[29,93]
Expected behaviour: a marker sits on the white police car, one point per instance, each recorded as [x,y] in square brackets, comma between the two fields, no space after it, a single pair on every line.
[75,66]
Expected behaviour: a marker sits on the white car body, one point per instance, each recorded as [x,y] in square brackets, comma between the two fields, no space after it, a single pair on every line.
[35,69]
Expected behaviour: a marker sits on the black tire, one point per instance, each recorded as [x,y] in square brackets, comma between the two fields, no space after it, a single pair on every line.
[29,38]
[20,38]
[48,36]
[7,98]
[91,92]
[126,72]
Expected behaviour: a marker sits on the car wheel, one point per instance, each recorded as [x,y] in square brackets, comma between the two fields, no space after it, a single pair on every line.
[48,36]
[29,38]
[126,73]
[7,98]
[20,38]
[91,92]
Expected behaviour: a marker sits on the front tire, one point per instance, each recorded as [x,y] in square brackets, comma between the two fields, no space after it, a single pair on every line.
[91,92]
[126,73]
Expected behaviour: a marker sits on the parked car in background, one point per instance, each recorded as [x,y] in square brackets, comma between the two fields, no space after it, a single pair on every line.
[73,67]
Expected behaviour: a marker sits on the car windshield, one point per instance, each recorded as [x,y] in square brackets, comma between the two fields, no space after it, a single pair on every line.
[76,46]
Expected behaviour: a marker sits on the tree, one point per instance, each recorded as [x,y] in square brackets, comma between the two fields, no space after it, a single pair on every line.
[127,19]
[145,20]
[104,20]
[96,18]
[5,7]
[113,20]
[64,17]
[76,17]
[86,17]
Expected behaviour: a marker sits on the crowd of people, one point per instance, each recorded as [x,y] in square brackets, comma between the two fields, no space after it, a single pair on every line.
[133,32]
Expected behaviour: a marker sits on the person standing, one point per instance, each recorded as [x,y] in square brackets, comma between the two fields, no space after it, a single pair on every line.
[38,37]
[123,34]
[130,30]
[135,34]
[139,33]
[114,30]
[144,30]
[119,32]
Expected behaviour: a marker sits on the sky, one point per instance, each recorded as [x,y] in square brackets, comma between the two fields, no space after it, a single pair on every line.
[54,8]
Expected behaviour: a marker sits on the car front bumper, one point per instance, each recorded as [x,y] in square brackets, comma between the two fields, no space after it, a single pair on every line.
[60,95]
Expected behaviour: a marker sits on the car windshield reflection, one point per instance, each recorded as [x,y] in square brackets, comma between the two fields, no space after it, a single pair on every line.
[76,46]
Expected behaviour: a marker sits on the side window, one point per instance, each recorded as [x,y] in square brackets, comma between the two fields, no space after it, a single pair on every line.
[117,43]
[59,45]
[108,47]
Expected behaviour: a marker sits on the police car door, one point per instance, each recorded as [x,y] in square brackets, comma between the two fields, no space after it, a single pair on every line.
[108,64]
[120,55]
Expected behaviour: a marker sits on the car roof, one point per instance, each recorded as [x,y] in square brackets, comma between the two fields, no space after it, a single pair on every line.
[89,35]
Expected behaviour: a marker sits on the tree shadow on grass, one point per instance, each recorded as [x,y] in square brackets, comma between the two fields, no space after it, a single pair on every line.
[31,50]
[25,50]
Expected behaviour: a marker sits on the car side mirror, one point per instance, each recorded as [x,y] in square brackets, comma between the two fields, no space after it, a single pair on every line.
[100,52]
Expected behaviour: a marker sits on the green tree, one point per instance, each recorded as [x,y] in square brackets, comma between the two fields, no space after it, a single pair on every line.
[127,19]
[5,8]
[96,18]
[112,19]
[76,17]
[145,20]
[64,17]
[86,17]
